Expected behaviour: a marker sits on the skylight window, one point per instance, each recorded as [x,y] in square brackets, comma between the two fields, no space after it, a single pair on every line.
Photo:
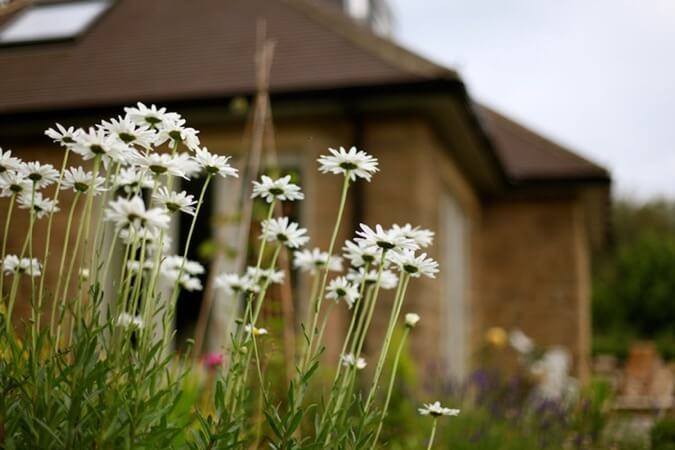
[52,21]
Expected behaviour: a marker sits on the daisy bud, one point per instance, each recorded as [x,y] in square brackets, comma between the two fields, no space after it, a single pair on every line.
[411,320]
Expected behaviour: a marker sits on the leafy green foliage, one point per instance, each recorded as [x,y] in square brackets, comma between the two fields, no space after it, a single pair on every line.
[634,286]
[663,434]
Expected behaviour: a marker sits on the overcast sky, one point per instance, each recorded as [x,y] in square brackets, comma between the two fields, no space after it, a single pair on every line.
[595,75]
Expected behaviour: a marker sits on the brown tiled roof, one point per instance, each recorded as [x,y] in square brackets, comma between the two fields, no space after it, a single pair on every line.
[164,50]
[528,156]
[181,50]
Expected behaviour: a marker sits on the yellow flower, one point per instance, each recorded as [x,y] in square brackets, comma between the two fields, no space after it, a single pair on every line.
[496,337]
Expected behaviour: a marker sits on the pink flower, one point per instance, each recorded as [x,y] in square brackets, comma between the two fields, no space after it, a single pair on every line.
[213,360]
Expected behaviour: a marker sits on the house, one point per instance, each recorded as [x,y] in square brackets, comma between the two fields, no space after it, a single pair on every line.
[516,215]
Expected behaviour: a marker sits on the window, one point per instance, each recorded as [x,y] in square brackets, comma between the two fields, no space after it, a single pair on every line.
[52,21]
[359,9]
[455,267]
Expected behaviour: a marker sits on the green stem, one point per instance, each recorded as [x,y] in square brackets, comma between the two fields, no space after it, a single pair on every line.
[358,312]
[395,312]
[371,309]
[433,434]
[261,296]
[87,224]
[35,313]
[312,294]
[394,369]
[4,240]
[12,298]
[176,290]
[331,305]
[55,302]
[99,240]
[45,259]
[316,303]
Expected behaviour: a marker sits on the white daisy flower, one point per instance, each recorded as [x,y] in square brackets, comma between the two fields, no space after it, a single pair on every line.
[42,175]
[79,180]
[353,163]
[129,132]
[130,179]
[93,143]
[388,279]
[135,266]
[8,162]
[174,262]
[173,131]
[175,201]
[152,116]
[132,213]
[191,283]
[13,183]
[23,266]
[160,164]
[280,189]
[234,284]
[188,165]
[262,276]
[283,232]
[341,289]
[126,320]
[422,237]
[256,331]
[360,254]
[65,137]
[349,360]
[170,270]
[144,236]
[214,164]
[415,266]
[411,320]
[435,409]
[41,205]
[385,240]
[315,260]
[521,342]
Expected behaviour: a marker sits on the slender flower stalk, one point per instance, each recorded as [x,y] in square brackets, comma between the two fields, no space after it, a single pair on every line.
[176,288]
[433,434]
[84,226]
[55,302]
[316,302]
[410,322]
[371,308]
[322,329]
[45,258]
[241,381]
[8,220]
[396,310]
[346,382]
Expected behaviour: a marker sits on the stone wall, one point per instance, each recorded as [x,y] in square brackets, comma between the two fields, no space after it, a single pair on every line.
[528,258]
[535,273]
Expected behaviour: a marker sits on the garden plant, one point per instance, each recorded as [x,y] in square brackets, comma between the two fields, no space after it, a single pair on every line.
[95,366]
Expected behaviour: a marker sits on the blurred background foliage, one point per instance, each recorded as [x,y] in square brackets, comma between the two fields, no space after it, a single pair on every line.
[634,281]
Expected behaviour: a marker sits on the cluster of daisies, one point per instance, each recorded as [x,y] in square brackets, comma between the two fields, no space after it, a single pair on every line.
[395,248]
[126,160]
[126,164]
[23,183]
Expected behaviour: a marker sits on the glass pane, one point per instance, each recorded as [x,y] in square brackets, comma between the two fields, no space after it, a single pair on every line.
[53,21]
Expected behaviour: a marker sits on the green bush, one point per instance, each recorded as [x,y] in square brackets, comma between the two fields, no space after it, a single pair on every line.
[663,434]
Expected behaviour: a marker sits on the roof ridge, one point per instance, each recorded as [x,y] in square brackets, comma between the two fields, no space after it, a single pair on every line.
[387,50]
[528,133]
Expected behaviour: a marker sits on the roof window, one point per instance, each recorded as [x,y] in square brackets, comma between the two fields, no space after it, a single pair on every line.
[51,21]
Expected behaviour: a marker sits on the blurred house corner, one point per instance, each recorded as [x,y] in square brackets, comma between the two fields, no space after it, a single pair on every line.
[516,215]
